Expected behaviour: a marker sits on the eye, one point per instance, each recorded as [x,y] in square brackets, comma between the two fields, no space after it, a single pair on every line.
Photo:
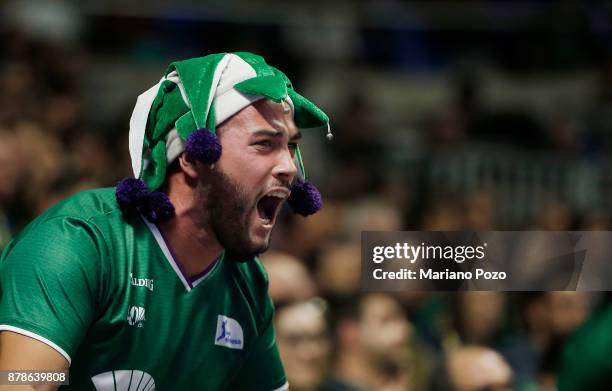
[263,144]
[293,146]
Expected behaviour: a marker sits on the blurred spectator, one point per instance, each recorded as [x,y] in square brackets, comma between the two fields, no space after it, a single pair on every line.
[70,182]
[445,213]
[555,216]
[373,337]
[370,214]
[90,153]
[586,363]
[478,316]
[474,368]
[305,346]
[568,310]
[550,317]
[339,269]
[525,346]
[304,238]
[290,281]
[43,156]
[480,212]
[60,115]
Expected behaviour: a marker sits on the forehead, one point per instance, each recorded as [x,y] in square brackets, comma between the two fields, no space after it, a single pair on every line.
[262,115]
[378,306]
[300,318]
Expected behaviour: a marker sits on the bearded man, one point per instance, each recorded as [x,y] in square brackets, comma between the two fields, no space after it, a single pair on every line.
[155,283]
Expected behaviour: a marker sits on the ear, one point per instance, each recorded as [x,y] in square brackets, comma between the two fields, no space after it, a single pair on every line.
[189,166]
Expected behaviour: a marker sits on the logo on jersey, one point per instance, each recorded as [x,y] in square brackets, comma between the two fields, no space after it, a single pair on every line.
[136,316]
[120,380]
[146,282]
[229,333]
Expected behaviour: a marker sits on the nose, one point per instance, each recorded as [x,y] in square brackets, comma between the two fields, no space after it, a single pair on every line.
[285,169]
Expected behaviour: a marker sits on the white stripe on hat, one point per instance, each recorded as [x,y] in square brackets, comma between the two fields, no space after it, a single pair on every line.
[138,124]
[174,145]
[227,100]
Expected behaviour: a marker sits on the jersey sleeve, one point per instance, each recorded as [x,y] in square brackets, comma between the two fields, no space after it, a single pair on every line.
[49,282]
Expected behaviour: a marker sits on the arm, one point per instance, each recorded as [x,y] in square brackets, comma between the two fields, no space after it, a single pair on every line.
[49,282]
[20,352]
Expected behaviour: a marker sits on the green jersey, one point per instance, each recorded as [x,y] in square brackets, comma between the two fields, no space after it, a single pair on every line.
[103,289]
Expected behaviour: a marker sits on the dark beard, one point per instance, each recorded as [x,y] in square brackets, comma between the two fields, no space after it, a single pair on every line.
[228,205]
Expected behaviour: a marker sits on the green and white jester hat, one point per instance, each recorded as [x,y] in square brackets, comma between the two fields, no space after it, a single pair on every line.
[182,112]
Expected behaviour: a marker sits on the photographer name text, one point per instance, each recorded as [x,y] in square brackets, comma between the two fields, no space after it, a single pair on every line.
[404,252]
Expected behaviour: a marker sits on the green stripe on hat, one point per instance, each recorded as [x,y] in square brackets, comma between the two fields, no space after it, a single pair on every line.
[198,78]
[307,114]
[272,87]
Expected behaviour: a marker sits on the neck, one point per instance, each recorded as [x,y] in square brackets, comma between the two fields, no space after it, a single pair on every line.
[189,238]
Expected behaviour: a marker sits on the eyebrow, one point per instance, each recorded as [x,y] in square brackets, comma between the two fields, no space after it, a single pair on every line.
[275,133]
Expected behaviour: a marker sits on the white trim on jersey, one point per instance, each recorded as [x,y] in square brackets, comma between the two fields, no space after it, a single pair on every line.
[284,387]
[199,280]
[164,247]
[6,327]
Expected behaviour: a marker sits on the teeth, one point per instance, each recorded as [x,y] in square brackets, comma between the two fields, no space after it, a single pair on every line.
[265,221]
[278,194]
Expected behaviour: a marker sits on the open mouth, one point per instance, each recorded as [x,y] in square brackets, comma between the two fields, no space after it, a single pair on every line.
[269,205]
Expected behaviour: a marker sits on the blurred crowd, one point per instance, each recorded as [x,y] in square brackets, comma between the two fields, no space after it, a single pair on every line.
[331,335]
[48,149]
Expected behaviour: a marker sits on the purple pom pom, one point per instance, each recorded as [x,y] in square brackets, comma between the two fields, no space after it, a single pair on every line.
[157,207]
[203,145]
[134,194]
[130,192]
[305,199]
